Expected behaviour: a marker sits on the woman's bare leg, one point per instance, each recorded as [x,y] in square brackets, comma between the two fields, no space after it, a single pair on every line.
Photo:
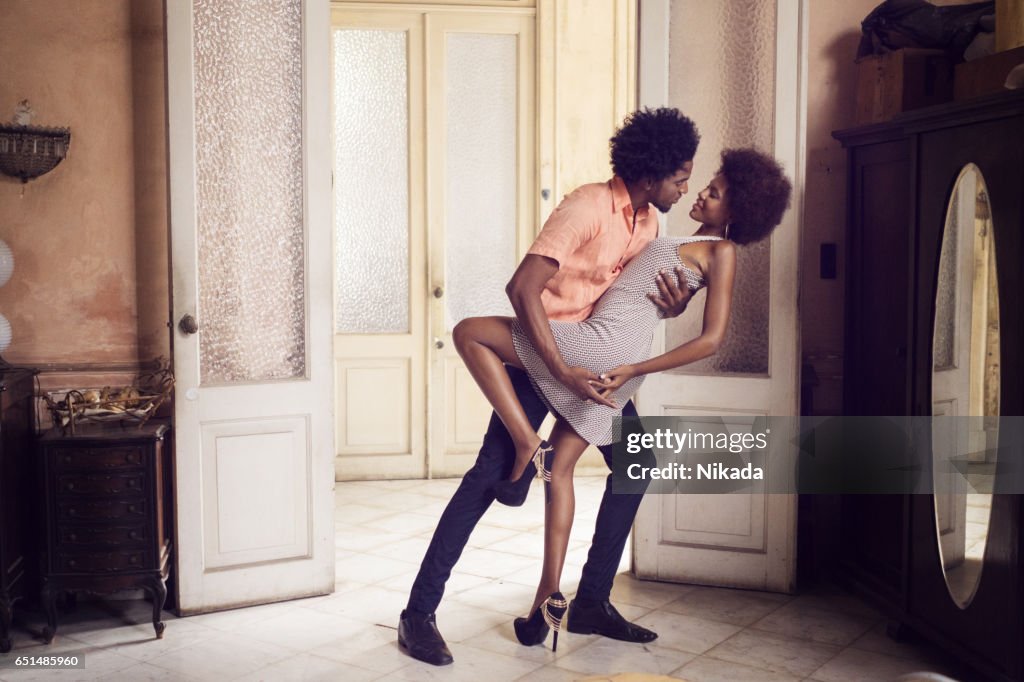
[561,507]
[485,345]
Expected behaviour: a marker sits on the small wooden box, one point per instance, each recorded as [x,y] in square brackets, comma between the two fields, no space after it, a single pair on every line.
[985,76]
[900,81]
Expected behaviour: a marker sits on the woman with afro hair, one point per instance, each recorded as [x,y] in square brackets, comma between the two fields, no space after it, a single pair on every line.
[742,204]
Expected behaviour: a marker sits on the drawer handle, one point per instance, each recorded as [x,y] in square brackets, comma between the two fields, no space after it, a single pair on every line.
[133,535]
[131,508]
[67,459]
[72,563]
[71,486]
[132,483]
[134,560]
[73,537]
[72,511]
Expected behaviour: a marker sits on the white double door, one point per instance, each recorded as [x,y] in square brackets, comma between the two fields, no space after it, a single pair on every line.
[434,203]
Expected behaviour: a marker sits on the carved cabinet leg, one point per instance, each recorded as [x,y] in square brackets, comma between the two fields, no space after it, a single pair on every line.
[50,607]
[158,591]
[6,615]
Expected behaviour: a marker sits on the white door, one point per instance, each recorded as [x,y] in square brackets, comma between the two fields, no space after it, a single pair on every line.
[250,223]
[953,348]
[434,204]
[738,539]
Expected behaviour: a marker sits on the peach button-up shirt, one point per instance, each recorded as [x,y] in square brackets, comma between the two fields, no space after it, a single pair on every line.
[591,235]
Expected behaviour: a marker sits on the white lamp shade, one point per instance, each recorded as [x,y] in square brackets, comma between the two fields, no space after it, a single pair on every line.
[5,334]
[6,262]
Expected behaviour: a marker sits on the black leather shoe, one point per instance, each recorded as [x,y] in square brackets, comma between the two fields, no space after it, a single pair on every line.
[418,636]
[589,617]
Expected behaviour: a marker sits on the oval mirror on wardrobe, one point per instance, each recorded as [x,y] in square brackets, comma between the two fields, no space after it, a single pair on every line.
[965,384]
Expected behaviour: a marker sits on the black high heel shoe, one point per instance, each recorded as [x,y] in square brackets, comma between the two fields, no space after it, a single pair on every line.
[548,616]
[513,493]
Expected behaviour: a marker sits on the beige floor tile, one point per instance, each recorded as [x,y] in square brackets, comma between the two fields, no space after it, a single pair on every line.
[144,672]
[410,550]
[800,621]
[358,514]
[383,658]
[694,635]
[773,652]
[489,563]
[365,638]
[138,642]
[300,629]
[607,655]
[459,622]
[878,641]
[551,673]
[471,664]
[530,575]
[356,539]
[509,598]
[530,545]
[383,528]
[225,657]
[403,501]
[629,590]
[396,484]
[228,621]
[704,669]
[350,492]
[854,665]
[738,607]
[403,523]
[370,569]
[830,597]
[442,487]
[485,535]
[371,605]
[308,668]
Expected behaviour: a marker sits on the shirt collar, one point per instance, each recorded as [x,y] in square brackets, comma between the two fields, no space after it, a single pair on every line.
[623,205]
[620,195]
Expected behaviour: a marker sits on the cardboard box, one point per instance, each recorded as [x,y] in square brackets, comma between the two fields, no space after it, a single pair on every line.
[900,81]
[1009,24]
[985,76]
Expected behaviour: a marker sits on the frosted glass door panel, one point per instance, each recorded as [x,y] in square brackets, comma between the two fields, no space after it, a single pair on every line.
[481,181]
[249,189]
[371,181]
[734,109]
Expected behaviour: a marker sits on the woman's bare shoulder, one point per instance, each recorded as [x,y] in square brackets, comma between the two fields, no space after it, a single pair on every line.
[723,248]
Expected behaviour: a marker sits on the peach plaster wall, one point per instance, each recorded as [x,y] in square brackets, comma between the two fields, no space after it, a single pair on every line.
[90,237]
[834,32]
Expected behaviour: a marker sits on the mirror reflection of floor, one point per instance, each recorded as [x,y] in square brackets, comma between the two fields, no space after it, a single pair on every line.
[963,578]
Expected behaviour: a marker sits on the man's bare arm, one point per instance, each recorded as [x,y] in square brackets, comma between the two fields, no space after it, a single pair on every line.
[524,290]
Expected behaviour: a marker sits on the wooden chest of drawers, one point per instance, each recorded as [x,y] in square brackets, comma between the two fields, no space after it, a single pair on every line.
[108,520]
[18,574]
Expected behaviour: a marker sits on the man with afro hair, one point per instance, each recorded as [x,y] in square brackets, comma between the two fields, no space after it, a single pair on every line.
[582,249]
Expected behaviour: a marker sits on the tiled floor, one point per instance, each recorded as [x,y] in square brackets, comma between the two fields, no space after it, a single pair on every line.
[382,530]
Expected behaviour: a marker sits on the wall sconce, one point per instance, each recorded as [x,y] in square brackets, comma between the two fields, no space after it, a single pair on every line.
[6,270]
[26,151]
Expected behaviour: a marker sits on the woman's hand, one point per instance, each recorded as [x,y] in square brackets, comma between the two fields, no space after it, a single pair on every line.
[584,384]
[611,381]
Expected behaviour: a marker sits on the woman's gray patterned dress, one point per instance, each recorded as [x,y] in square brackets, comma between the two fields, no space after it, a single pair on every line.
[619,331]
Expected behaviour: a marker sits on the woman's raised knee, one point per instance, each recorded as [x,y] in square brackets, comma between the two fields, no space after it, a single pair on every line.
[463,334]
